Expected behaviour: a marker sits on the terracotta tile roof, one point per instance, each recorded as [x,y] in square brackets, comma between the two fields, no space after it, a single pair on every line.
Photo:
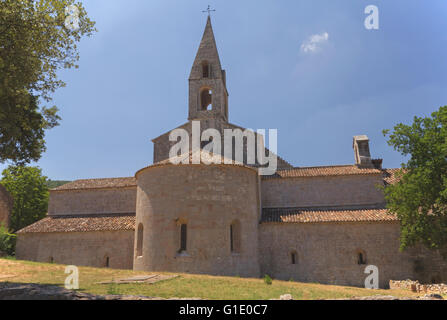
[390,176]
[297,215]
[98,184]
[323,171]
[82,223]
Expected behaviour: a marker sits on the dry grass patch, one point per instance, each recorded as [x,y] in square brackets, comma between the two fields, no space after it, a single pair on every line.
[184,286]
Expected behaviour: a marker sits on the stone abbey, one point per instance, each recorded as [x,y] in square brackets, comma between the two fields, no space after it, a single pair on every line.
[312,224]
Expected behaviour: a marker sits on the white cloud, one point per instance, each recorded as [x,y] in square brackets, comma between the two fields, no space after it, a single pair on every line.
[314,43]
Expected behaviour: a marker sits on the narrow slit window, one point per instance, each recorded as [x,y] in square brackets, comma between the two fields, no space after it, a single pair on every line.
[140,240]
[361,257]
[293,257]
[235,237]
[205,69]
[183,237]
[232,238]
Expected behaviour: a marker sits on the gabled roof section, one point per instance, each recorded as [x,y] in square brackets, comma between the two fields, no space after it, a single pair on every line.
[98,184]
[342,170]
[282,163]
[207,52]
[183,126]
[316,215]
[82,223]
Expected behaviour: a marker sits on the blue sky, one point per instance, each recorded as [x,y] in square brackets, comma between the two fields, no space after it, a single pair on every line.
[132,82]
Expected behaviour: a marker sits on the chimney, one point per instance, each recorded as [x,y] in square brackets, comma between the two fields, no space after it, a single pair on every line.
[377,163]
[361,152]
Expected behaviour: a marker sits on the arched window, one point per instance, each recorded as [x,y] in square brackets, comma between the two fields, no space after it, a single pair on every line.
[361,257]
[205,69]
[293,257]
[183,237]
[106,261]
[140,240]
[206,99]
[235,236]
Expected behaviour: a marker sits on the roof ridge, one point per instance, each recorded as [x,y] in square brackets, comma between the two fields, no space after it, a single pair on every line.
[326,209]
[82,224]
[90,215]
[95,183]
[327,166]
[101,179]
[321,216]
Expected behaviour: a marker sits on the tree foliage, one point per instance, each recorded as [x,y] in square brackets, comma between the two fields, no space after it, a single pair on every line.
[34,44]
[419,199]
[7,241]
[56,183]
[29,190]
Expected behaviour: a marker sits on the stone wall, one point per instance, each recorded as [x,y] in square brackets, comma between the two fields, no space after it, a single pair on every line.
[79,248]
[416,286]
[5,206]
[322,191]
[328,253]
[208,199]
[162,145]
[91,201]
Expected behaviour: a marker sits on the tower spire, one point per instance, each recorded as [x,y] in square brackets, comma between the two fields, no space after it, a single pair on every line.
[207,51]
[208,96]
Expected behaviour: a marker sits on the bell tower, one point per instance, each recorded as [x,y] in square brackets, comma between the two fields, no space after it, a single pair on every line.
[208,95]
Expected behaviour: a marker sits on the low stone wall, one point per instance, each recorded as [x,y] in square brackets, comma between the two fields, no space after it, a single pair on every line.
[328,253]
[415,286]
[99,249]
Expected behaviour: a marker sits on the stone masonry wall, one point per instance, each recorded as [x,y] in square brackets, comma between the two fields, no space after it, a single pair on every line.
[162,145]
[208,199]
[328,253]
[73,202]
[322,191]
[78,248]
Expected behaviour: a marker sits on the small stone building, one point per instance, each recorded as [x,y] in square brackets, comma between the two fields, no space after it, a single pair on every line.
[5,206]
[317,224]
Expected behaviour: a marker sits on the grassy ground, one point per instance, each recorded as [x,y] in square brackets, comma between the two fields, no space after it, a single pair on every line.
[184,286]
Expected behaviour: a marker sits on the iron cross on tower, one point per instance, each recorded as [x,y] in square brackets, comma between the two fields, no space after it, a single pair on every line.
[209,10]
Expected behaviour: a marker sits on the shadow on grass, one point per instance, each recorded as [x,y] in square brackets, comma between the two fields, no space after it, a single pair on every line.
[35,291]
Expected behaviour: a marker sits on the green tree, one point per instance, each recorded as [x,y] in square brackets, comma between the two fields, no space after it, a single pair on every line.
[419,199]
[34,44]
[29,190]
[7,241]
